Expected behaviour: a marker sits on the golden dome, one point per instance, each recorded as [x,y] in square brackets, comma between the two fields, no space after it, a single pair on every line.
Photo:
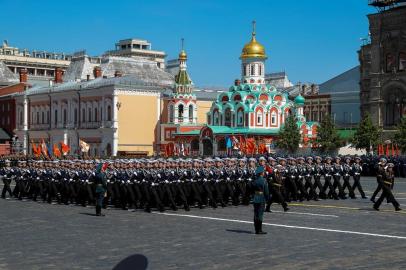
[253,48]
[182,55]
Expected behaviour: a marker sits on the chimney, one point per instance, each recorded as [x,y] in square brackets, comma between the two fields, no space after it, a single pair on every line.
[237,82]
[118,73]
[97,72]
[87,77]
[58,75]
[23,75]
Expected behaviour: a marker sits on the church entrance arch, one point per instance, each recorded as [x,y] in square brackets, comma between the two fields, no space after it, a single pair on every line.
[207,147]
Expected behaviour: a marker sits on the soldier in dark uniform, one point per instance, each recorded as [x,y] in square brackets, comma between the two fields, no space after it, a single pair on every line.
[380,170]
[101,186]
[276,187]
[356,174]
[318,172]
[338,171]
[347,171]
[6,173]
[328,172]
[261,194]
[387,181]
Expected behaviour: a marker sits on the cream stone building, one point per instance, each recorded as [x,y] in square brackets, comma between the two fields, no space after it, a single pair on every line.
[115,104]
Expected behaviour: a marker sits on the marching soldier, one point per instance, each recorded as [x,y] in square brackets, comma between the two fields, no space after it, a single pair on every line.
[387,181]
[356,174]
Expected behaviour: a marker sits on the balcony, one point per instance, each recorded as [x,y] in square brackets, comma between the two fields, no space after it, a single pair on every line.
[39,127]
[91,125]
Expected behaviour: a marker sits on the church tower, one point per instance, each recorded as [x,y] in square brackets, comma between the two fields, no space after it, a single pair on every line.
[253,58]
[182,106]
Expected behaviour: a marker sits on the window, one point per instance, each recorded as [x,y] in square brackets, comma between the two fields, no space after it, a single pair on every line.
[227,117]
[95,114]
[171,113]
[76,116]
[273,118]
[83,115]
[216,118]
[180,113]
[64,117]
[252,70]
[8,120]
[240,118]
[191,113]
[109,113]
[56,118]
[390,62]
[21,117]
[37,120]
[89,115]
[259,118]
[42,118]
[260,70]
[402,61]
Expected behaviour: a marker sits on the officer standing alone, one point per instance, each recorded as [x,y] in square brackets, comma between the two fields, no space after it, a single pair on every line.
[261,194]
[101,186]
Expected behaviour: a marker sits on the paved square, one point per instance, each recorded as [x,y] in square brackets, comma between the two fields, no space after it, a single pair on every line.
[313,235]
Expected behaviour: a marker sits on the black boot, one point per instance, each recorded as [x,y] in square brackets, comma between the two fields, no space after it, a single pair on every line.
[98,210]
[256,226]
[260,228]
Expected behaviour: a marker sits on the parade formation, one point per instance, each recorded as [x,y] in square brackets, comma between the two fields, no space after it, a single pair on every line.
[161,184]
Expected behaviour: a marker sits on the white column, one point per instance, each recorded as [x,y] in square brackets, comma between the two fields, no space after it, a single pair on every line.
[25,126]
[115,125]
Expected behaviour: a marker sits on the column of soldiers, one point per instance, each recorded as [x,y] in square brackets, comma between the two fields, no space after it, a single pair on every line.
[184,183]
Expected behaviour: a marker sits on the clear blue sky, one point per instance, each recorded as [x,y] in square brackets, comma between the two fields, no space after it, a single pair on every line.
[312,40]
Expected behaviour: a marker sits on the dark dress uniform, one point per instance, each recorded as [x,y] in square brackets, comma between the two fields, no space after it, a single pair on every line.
[261,194]
[101,188]
[388,179]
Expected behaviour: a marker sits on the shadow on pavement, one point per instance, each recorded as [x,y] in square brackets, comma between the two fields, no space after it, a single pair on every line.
[240,231]
[133,262]
[88,214]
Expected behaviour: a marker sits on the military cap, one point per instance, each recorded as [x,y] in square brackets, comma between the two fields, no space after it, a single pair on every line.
[262,158]
[391,165]
[259,170]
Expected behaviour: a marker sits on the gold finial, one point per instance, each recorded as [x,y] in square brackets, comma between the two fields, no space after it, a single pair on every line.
[182,55]
[253,28]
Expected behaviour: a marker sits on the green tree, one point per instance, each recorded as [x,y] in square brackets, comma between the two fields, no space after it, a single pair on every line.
[400,135]
[289,136]
[328,139]
[366,135]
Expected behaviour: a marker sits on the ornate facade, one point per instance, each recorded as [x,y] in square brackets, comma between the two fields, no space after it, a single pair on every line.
[249,109]
[383,68]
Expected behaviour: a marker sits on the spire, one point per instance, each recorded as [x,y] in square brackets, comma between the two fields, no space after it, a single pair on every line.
[182,54]
[182,78]
[253,29]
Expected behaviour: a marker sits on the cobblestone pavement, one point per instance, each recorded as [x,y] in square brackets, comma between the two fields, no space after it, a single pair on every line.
[313,235]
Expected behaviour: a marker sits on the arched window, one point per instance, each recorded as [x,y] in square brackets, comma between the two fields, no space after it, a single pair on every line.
[274,118]
[252,70]
[260,70]
[83,115]
[240,117]
[64,117]
[95,115]
[402,61]
[190,113]
[180,113]
[216,118]
[171,114]
[37,120]
[56,118]
[76,116]
[89,117]
[227,117]
[108,113]
[42,118]
[259,118]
